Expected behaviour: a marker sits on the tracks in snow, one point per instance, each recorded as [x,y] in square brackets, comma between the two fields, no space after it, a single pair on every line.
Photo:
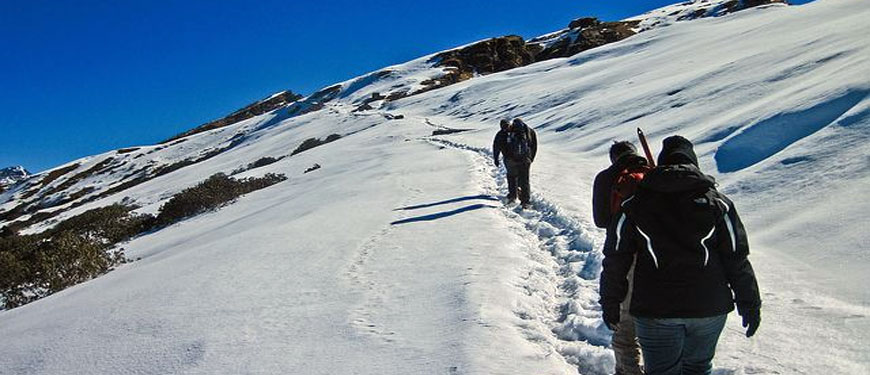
[563,282]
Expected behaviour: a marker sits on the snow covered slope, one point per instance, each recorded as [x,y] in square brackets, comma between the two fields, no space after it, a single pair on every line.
[396,257]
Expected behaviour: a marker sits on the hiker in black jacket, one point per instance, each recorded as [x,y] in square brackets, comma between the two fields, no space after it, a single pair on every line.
[498,147]
[519,145]
[605,205]
[623,156]
[691,269]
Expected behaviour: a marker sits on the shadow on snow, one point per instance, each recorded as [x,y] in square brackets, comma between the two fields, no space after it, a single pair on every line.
[448,201]
[440,215]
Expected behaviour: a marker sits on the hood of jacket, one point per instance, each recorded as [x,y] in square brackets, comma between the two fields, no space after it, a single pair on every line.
[674,178]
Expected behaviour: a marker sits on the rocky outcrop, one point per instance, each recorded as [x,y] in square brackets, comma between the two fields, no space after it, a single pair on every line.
[714,9]
[11,175]
[489,56]
[509,52]
[582,34]
[269,104]
[738,5]
[692,10]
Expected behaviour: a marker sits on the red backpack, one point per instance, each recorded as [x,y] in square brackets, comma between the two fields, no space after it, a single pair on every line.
[625,185]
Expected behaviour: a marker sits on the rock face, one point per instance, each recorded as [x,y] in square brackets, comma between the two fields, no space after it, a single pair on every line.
[509,52]
[582,34]
[271,103]
[11,175]
[691,10]
[584,22]
[489,56]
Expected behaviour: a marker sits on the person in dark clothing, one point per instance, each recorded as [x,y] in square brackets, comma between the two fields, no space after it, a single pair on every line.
[498,143]
[499,147]
[521,149]
[691,268]
[519,145]
[605,204]
[623,156]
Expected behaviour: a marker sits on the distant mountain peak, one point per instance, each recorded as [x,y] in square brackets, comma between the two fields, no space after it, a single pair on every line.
[11,175]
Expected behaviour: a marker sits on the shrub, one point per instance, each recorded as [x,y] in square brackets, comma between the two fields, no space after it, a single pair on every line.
[314,142]
[312,168]
[109,225]
[261,162]
[81,247]
[76,250]
[211,194]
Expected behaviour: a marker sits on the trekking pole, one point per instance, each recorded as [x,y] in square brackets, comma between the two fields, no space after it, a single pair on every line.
[646,149]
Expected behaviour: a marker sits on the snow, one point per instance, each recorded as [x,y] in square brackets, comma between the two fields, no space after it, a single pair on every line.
[397,257]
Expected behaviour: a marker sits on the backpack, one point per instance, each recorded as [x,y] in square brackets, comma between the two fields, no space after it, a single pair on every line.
[625,185]
[518,145]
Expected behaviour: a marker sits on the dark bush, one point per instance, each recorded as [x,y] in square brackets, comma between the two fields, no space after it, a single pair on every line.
[82,247]
[314,142]
[211,194]
[76,250]
[261,162]
[110,224]
[312,168]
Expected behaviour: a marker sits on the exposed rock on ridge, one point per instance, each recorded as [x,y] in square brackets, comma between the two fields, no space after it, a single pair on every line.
[273,102]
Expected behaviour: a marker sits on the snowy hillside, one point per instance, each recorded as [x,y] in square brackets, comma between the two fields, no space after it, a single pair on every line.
[396,255]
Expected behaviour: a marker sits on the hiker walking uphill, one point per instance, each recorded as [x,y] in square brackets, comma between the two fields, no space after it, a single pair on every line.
[617,182]
[519,145]
[612,186]
[691,265]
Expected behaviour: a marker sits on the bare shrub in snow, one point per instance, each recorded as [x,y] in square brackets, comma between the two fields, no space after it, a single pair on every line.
[211,194]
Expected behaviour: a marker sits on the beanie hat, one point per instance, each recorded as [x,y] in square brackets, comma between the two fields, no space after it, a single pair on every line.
[677,150]
[504,123]
[620,149]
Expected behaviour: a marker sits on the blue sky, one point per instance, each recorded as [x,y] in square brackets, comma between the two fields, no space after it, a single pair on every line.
[83,77]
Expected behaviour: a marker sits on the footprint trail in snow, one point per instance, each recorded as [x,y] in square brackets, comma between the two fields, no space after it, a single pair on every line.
[567,317]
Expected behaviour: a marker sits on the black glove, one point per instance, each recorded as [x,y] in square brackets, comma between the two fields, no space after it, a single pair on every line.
[497,163]
[611,316]
[751,320]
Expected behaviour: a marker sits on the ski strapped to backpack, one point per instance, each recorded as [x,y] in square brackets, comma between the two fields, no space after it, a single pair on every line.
[646,149]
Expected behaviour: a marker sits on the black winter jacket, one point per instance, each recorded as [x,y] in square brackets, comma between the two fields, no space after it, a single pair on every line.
[602,189]
[691,249]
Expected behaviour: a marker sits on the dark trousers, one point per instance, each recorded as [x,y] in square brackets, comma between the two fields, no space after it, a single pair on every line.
[679,346]
[518,177]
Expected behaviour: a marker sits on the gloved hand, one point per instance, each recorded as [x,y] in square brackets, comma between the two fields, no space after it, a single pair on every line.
[611,316]
[751,320]
[497,163]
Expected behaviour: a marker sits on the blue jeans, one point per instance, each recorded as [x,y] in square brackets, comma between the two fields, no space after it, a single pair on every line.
[679,346]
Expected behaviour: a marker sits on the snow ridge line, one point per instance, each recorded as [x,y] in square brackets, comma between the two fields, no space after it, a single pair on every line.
[577,332]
